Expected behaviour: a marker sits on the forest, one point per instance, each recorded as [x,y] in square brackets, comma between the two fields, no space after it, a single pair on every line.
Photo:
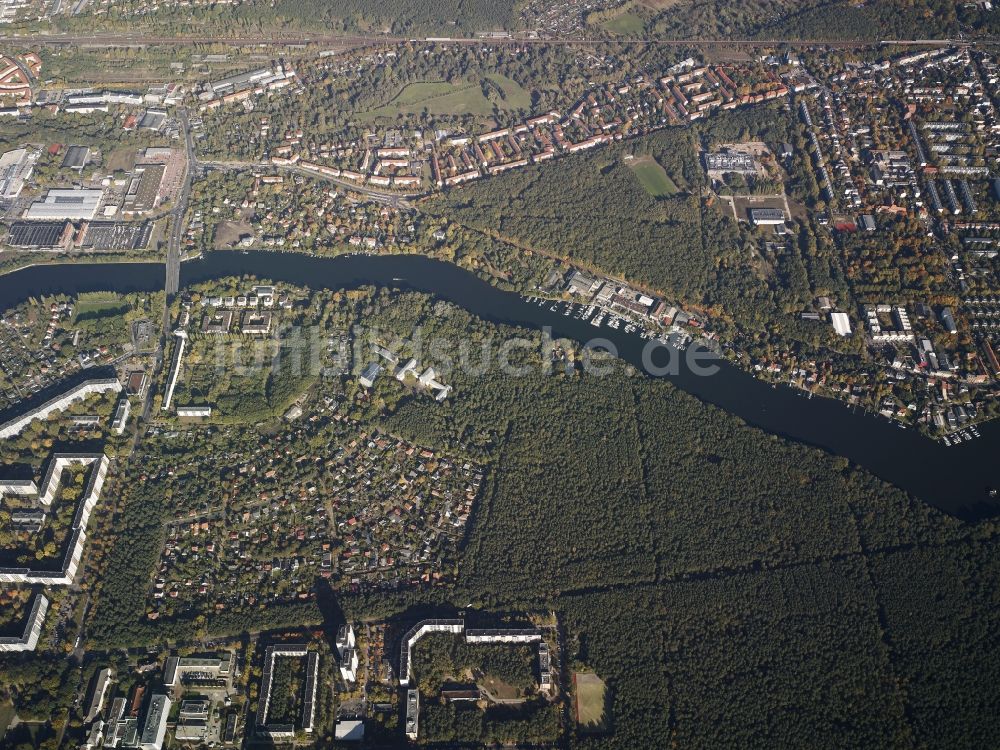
[727,585]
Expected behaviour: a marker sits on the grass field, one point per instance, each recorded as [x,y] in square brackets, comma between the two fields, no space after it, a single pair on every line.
[627,24]
[98,305]
[654,178]
[6,716]
[516,96]
[443,98]
[589,690]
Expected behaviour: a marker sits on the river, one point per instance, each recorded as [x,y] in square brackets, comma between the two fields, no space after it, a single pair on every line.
[955,479]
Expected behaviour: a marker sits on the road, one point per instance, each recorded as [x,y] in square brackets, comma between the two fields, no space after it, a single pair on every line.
[397,200]
[180,209]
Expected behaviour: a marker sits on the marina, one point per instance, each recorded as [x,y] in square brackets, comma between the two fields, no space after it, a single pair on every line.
[957,478]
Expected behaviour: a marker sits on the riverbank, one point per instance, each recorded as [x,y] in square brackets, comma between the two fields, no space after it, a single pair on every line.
[22,261]
[957,480]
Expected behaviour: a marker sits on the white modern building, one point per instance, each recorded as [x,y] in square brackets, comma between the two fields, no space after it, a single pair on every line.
[347,653]
[175,368]
[414,634]
[66,574]
[154,729]
[194,411]
[176,668]
[307,721]
[18,487]
[72,204]
[349,730]
[76,393]
[525,635]
[841,323]
[120,421]
[32,630]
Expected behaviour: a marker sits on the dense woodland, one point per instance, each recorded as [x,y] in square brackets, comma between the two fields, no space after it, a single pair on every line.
[594,212]
[723,582]
[687,19]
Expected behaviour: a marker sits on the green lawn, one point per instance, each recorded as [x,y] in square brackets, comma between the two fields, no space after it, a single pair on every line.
[99,305]
[627,24]
[443,98]
[589,700]
[516,96]
[654,178]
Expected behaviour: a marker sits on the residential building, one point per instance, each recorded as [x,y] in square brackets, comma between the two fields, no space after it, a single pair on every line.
[154,729]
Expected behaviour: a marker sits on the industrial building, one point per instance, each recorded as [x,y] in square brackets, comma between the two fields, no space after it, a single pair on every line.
[16,167]
[143,190]
[116,236]
[766,216]
[74,204]
[41,235]
[412,714]
[76,158]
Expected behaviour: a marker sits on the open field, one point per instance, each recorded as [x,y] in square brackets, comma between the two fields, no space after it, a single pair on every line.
[228,233]
[98,305]
[443,98]
[515,96]
[654,178]
[589,700]
[627,24]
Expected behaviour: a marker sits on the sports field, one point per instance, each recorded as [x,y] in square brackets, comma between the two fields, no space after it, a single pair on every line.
[653,177]
[589,693]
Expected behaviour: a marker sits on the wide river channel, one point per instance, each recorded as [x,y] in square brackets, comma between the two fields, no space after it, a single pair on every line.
[956,479]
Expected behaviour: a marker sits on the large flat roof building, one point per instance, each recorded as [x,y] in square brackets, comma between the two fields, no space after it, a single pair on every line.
[40,235]
[98,385]
[77,204]
[154,729]
[841,323]
[16,167]
[76,158]
[66,573]
[307,720]
[32,630]
[766,216]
